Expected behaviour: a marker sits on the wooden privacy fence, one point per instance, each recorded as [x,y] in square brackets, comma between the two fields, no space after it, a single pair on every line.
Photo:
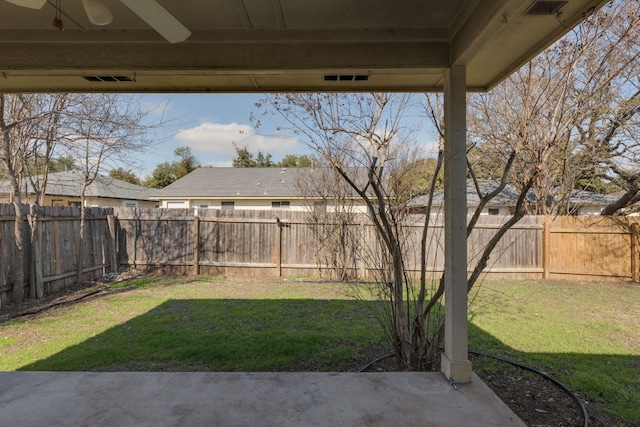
[590,248]
[288,243]
[52,260]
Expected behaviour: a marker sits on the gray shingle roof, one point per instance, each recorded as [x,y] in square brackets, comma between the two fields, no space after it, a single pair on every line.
[223,182]
[509,197]
[69,184]
[581,197]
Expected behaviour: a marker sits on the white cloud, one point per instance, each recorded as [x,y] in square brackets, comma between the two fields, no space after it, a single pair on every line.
[221,164]
[218,138]
[431,148]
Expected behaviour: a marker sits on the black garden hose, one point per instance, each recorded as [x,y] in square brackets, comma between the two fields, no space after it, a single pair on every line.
[585,414]
[379,359]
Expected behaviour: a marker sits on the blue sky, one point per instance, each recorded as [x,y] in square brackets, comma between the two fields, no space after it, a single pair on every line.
[210,124]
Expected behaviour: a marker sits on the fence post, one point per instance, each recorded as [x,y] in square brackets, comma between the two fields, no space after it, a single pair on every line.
[362,267]
[35,229]
[196,245]
[57,247]
[79,224]
[546,247]
[634,252]
[113,243]
[279,248]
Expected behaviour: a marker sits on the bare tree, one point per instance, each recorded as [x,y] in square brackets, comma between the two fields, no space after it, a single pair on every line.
[103,127]
[30,125]
[569,115]
[11,108]
[333,214]
[365,139]
[90,128]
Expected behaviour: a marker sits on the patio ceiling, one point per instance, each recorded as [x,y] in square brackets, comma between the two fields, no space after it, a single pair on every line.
[280,45]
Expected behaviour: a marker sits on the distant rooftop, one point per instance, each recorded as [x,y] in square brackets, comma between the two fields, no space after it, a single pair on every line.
[69,184]
[230,182]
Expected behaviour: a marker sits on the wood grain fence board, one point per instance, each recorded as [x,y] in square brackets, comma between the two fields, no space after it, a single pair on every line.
[245,243]
[590,246]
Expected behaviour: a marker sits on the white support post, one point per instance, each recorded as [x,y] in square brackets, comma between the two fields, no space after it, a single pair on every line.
[455,362]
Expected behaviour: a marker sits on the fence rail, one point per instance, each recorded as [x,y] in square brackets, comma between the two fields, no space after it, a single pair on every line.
[287,243]
[53,252]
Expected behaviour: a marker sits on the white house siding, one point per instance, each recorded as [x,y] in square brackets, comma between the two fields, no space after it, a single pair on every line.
[589,210]
[294,205]
[175,204]
[100,202]
[238,204]
[354,208]
[253,204]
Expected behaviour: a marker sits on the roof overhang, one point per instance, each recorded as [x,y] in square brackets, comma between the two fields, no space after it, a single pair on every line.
[280,45]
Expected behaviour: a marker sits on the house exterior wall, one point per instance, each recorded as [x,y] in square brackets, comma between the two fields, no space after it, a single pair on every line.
[89,201]
[490,210]
[238,204]
[501,210]
[124,203]
[48,200]
[250,204]
[589,210]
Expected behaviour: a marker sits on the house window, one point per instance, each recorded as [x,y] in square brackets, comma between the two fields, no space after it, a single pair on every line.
[203,205]
[227,205]
[130,204]
[494,211]
[280,205]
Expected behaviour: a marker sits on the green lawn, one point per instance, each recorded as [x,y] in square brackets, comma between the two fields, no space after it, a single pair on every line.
[208,325]
[587,335]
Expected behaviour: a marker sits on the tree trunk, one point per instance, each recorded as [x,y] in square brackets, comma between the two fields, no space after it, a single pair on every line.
[624,201]
[19,228]
[79,241]
[20,264]
[36,287]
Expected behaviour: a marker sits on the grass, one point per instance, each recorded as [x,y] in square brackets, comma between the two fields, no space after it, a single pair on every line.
[208,325]
[587,335]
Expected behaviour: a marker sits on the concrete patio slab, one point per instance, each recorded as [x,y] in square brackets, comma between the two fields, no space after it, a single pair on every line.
[246,399]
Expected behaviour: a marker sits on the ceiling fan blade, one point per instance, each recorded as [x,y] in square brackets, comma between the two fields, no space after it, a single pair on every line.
[31,4]
[159,18]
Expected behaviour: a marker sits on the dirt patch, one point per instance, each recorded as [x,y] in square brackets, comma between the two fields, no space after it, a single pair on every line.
[32,306]
[74,293]
[534,399]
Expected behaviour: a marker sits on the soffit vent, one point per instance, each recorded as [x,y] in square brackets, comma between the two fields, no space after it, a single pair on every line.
[108,78]
[542,8]
[346,77]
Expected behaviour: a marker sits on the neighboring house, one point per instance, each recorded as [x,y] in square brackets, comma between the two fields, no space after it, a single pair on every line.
[632,210]
[64,188]
[580,202]
[588,203]
[502,204]
[297,189]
